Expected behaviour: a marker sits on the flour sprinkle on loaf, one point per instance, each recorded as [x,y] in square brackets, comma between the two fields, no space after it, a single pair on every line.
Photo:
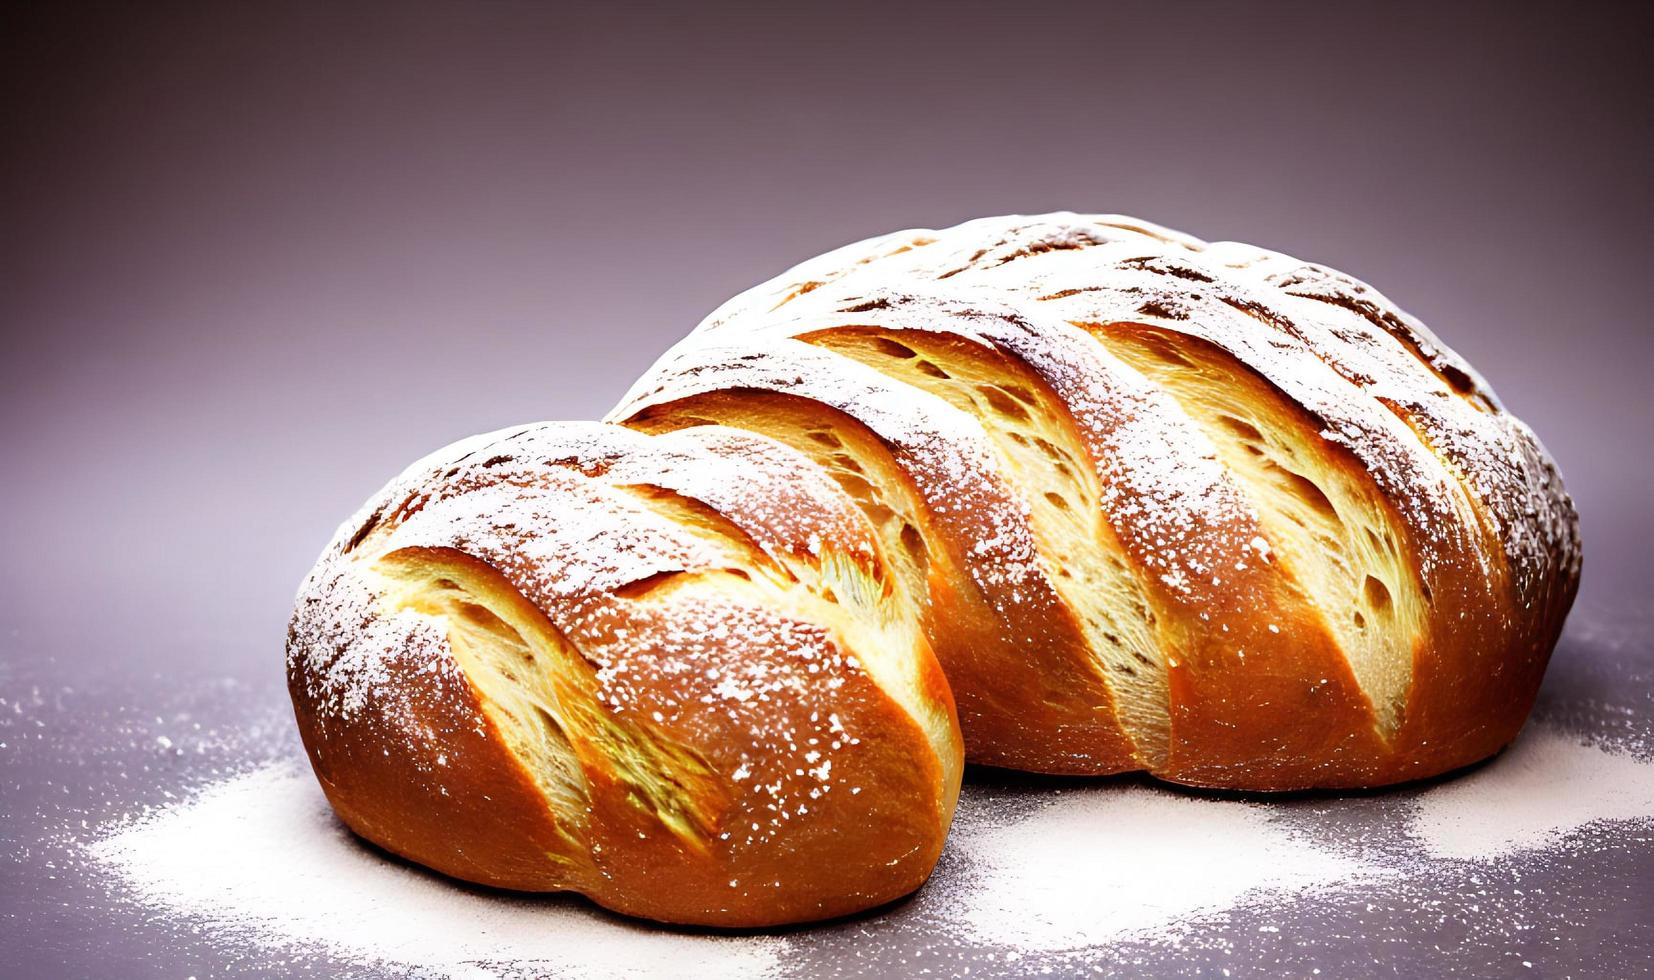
[675,674]
[1201,510]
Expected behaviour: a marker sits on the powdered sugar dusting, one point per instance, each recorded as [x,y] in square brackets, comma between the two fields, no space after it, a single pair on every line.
[562,540]
[1322,336]
[1205,308]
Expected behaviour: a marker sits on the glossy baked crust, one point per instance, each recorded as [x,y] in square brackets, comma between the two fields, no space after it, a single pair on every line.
[1199,509]
[670,673]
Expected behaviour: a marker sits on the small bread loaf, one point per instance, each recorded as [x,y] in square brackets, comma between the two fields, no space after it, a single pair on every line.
[1204,511]
[674,673]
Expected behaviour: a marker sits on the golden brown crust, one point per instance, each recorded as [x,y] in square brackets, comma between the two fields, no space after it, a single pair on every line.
[521,671]
[981,622]
[1266,699]
[428,777]
[1373,602]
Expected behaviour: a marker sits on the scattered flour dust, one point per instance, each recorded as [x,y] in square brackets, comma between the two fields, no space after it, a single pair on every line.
[261,855]
[1101,864]
[1544,786]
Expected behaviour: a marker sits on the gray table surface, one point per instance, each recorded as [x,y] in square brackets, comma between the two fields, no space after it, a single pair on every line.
[78,757]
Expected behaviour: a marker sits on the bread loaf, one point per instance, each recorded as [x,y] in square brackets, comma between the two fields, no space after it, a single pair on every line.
[1201,510]
[676,674]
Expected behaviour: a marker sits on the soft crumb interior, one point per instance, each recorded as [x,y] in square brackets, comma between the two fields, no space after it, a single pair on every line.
[841,447]
[1042,455]
[538,690]
[1329,524]
[879,618]
[880,630]
[850,594]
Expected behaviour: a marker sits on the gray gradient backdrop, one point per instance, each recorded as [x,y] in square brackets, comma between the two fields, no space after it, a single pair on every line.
[255,258]
[258,258]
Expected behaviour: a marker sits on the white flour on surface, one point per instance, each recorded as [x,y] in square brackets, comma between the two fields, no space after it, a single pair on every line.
[260,858]
[261,855]
[1544,786]
[1101,864]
